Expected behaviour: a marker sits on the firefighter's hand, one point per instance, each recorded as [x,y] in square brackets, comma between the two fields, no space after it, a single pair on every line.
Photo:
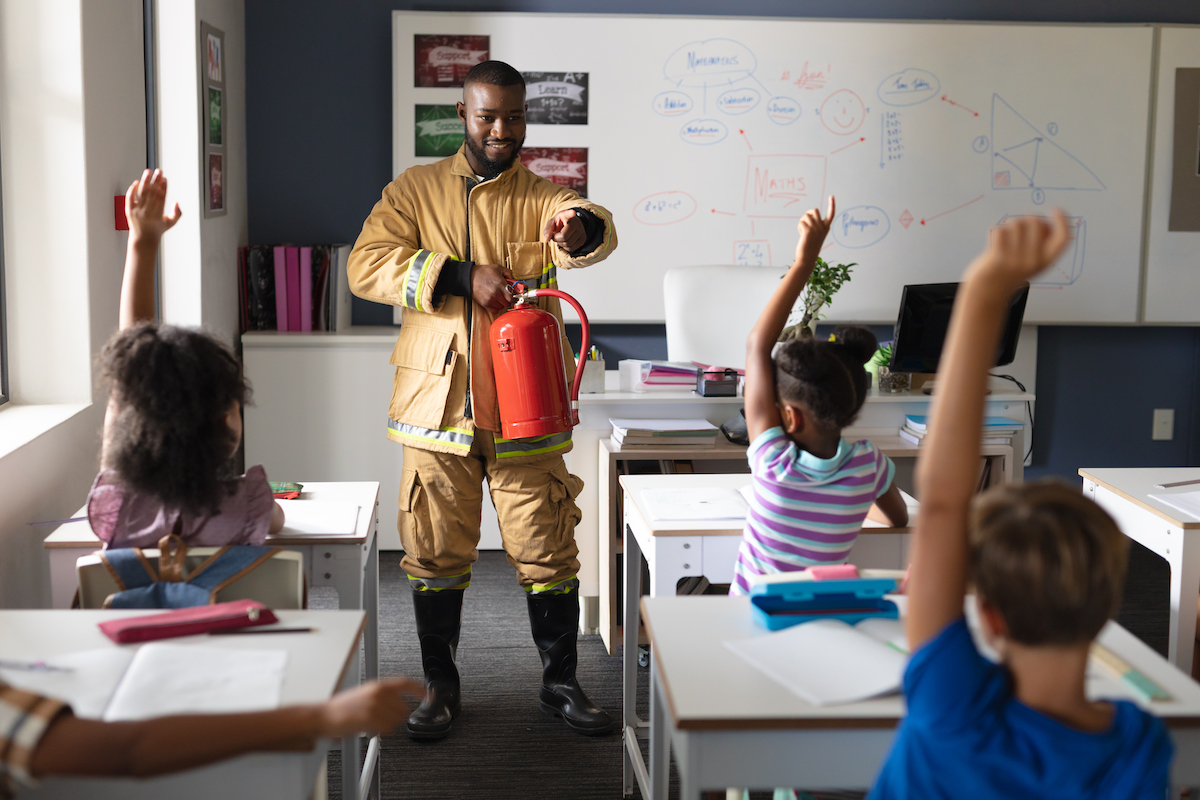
[565,229]
[489,286]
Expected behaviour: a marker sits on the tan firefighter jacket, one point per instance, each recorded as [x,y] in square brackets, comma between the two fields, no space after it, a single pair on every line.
[433,213]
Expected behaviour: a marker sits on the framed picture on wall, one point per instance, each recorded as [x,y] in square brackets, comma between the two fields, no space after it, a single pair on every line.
[215,184]
[212,120]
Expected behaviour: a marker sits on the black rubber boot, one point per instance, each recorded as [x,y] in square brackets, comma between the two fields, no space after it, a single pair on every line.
[554,619]
[439,621]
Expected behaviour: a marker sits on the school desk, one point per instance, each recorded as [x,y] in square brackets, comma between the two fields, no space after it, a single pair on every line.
[729,725]
[614,457]
[349,564]
[318,664]
[675,549]
[1175,536]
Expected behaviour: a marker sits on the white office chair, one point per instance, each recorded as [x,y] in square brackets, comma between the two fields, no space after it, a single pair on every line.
[711,309]
[277,583]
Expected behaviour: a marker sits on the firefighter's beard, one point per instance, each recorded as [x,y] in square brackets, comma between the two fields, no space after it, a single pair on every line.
[493,166]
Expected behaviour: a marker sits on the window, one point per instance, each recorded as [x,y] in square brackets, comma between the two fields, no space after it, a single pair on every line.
[3,322]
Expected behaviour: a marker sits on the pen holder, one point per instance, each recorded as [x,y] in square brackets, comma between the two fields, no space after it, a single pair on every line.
[593,377]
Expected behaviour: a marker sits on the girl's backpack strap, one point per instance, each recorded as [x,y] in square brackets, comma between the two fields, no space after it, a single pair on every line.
[129,567]
[228,565]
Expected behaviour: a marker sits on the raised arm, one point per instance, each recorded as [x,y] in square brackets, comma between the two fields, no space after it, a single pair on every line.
[947,474]
[761,412]
[144,204]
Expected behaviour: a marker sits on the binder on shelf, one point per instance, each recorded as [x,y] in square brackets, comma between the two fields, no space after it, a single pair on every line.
[306,289]
[291,288]
[281,300]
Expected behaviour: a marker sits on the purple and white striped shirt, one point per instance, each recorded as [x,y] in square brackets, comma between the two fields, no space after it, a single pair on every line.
[806,510]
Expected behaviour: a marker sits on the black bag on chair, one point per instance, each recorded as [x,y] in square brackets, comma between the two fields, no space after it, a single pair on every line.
[735,429]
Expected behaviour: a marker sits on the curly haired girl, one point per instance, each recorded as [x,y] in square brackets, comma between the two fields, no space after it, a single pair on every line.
[812,488]
[174,416]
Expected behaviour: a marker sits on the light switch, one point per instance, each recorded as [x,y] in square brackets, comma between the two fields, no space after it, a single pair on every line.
[1164,425]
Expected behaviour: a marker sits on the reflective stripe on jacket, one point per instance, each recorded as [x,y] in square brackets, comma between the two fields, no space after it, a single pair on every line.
[427,216]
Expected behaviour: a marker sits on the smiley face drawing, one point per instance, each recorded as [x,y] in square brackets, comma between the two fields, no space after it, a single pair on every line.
[843,112]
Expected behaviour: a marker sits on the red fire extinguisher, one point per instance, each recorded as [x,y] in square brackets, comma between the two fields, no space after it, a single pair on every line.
[531,377]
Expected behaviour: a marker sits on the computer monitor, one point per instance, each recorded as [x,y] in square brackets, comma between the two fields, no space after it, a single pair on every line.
[924,317]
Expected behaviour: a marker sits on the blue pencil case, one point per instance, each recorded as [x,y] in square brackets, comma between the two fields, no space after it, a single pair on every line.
[781,605]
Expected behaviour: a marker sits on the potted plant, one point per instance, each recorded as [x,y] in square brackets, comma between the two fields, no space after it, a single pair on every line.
[825,280]
[887,380]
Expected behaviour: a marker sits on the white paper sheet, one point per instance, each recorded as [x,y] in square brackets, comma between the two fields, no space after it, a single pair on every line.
[1187,502]
[666,505]
[87,686]
[321,517]
[663,425]
[825,662]
[165,679]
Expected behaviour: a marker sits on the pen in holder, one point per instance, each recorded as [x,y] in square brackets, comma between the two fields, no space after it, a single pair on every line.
[593,376]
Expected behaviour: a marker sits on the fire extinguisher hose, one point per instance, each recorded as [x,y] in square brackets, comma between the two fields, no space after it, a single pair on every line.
[584,346]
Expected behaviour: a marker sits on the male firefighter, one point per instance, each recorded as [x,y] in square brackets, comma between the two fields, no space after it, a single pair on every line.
[443,244]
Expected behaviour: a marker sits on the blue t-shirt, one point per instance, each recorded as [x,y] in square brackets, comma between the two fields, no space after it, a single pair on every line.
[967,736]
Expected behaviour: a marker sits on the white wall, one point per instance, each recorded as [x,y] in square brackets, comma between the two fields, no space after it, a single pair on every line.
[199,264]
[71,137]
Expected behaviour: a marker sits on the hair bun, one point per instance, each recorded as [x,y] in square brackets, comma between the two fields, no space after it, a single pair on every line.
[855,343]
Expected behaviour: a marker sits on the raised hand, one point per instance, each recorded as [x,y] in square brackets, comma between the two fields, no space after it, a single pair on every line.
[565,229]
[373,708]
[489,286]
[813,229]
[1022,247]
[145,202]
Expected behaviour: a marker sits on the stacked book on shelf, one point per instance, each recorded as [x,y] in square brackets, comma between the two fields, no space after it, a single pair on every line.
[638,375]
[289,288]
[996,430]
[663,432]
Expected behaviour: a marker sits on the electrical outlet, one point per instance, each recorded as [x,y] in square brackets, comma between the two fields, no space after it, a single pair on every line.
[1164,425]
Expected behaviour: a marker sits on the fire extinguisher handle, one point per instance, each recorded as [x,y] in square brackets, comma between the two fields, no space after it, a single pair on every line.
[584,347]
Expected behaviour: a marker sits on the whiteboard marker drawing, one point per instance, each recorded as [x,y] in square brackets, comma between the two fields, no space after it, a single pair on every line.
[752,253]
[842,112]
[672,104]
[908,87]
[703,131]
[959,105]
[861,226]
[783,185]
[712,62]
[664,208]
[738,101]
[1025,159]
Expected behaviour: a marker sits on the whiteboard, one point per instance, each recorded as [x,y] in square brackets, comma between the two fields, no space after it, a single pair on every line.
[708,137]
[1172,257]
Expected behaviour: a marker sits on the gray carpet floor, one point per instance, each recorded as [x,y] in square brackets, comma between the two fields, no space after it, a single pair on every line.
[504,747]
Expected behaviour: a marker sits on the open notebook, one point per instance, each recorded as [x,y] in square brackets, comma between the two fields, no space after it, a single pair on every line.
[157,679]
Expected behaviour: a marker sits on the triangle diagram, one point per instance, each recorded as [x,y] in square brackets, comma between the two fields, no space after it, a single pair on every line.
[1023,158]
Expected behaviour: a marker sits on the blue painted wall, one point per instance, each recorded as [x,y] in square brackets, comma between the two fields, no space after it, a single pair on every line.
[318,85]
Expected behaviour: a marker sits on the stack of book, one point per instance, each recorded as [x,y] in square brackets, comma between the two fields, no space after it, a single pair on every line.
[664,432]
[288,288]
[996,430]
[638,375]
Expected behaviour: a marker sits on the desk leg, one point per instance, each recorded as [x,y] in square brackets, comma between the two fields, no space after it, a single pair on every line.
[370,596]
[1184,558]
[633,586]
[351,746]
[660,736]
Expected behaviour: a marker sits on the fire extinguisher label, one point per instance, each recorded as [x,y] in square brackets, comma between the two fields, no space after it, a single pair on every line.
[505,345]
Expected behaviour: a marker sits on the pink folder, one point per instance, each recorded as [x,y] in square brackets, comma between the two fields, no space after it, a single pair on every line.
[306,286]
[293,288]
[281,304]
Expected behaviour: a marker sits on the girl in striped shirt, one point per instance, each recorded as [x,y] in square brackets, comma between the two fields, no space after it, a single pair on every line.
[812,488]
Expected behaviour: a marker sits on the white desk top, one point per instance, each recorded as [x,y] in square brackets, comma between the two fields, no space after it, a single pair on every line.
[316,661]
[1135,484]
[708,687]
[635,485]
[363,493]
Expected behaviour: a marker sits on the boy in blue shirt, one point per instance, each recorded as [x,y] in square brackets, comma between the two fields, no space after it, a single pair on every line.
[1047,566]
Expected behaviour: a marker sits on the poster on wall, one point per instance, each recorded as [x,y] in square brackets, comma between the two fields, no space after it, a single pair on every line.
[556,98]
[212,116]
[566,166]
[438,130]
[444,60]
